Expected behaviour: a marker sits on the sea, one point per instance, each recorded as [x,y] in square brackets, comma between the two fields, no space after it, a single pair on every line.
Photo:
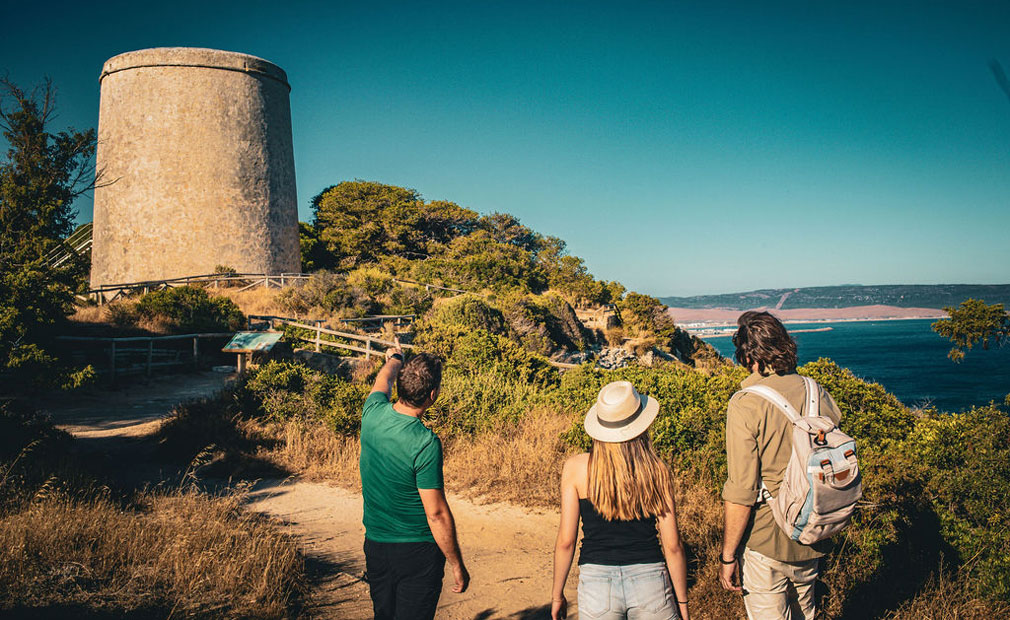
[907,358]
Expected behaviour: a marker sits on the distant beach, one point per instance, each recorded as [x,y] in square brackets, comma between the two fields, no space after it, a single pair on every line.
[699,318]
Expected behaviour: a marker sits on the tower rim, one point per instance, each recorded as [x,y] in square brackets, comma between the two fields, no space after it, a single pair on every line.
[200,57]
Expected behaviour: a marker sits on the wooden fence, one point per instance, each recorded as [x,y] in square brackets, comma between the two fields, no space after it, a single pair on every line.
[119,348]
[111,292]
[317,339]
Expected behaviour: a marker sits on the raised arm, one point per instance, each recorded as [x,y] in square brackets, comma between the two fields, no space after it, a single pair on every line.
[387,375]
[443,529]
[673,551]
[568,533]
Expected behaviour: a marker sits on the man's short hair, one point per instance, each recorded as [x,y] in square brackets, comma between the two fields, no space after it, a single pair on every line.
[761,338]
[419,377]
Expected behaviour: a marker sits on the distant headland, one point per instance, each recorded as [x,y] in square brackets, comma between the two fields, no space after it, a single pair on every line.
[850,302]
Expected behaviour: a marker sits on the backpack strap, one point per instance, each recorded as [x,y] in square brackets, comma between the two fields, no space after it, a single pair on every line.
[774,398]
[813,408]
[812,402]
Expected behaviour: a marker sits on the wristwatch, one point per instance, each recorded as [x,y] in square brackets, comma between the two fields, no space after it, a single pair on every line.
[396,356]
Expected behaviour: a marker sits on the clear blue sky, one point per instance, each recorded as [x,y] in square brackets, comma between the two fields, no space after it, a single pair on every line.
[682,148]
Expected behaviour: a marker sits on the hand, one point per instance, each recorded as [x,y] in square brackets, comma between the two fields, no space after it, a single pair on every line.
[462,578]
[729,576]
[559,608]
[394,350]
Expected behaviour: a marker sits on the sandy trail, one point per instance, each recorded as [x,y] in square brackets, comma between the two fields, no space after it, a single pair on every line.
[507,549]
[135,409]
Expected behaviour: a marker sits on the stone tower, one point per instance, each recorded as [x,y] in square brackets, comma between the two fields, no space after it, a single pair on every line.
[195,148]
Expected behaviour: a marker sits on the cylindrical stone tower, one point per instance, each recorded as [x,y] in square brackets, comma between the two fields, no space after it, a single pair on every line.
[194,148]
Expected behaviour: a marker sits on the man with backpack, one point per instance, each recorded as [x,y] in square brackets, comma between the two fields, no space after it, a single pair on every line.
[779,515]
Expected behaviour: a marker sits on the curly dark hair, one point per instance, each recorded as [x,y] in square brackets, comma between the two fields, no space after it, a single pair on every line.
[763,339]
[419,377]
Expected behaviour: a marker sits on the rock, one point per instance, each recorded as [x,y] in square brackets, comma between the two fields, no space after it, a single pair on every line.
[614,357]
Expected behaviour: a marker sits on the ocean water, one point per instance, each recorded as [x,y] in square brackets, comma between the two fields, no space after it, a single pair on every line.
[907,358]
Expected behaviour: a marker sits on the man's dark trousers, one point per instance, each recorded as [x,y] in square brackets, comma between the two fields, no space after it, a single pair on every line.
[404,579]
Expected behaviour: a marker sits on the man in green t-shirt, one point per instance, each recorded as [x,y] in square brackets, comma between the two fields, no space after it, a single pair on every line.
[409,529]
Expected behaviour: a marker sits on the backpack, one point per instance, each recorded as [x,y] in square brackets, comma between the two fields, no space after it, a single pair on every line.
[822,481]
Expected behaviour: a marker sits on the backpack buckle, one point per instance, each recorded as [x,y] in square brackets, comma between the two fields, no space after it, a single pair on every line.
[821,438]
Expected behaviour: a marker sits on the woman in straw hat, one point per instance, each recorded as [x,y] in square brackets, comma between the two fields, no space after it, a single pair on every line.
[623,493]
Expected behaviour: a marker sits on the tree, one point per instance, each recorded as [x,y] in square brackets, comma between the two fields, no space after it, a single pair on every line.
[974,322]
[362,221]
[40,176]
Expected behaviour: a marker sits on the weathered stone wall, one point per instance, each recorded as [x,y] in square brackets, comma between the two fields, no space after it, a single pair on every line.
[196,147]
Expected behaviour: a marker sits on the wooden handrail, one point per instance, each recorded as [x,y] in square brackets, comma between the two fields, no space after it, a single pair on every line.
[332,332]
[144,338]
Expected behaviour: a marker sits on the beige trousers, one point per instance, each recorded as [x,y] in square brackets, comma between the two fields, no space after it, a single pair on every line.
[774,590]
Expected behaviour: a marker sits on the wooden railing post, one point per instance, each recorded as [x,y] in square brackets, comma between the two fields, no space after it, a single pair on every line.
[196,352]
[368,349]
[319,336]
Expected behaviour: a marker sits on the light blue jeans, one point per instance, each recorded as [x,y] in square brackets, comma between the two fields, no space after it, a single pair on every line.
[634,592]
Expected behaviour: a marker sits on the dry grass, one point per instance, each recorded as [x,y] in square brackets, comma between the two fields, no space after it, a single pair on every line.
[521,466]
[181,554]
[257,300]
[313,451]
[120,317]
[949,599]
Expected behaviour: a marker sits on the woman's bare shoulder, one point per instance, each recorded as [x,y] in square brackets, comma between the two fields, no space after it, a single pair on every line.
[575,464]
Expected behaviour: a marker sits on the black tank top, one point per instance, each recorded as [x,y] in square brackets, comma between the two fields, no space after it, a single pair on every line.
[617,542]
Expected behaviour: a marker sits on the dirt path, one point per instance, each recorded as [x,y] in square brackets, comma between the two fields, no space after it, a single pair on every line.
[134,409]
[508,551]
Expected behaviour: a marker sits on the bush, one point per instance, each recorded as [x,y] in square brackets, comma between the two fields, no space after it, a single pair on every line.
[614,336]
[690,427]
[191,309]
[481,352]
[545,324]
[284,390]
[438,331]
[967,457]
[482,401]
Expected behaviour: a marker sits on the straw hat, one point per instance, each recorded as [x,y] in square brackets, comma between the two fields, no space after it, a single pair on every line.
[620,413]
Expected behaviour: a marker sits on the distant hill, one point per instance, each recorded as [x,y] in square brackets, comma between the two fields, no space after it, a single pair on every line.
[847,295]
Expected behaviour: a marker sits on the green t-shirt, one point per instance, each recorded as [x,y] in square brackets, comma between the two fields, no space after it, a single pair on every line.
[399,455]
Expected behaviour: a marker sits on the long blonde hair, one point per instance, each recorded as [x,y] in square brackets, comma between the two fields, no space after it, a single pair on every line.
[628,480]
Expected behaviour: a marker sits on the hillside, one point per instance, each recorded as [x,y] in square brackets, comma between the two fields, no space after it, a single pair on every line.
[848,295]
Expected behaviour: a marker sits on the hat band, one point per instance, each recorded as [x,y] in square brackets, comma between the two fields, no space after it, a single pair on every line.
[626,421]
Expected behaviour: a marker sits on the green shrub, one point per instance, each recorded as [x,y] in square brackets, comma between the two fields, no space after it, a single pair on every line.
[286,390]
[438,331]
[690,426]
[544,324]
[191,309]
[483,401]
[480,352]
[967,457]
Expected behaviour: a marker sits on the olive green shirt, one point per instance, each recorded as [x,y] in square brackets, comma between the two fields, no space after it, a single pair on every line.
[758,446]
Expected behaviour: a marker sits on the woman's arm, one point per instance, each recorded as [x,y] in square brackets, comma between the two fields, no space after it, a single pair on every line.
[568,533]
[673,551]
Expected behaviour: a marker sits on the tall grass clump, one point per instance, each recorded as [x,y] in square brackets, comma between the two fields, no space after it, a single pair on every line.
[73,546]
